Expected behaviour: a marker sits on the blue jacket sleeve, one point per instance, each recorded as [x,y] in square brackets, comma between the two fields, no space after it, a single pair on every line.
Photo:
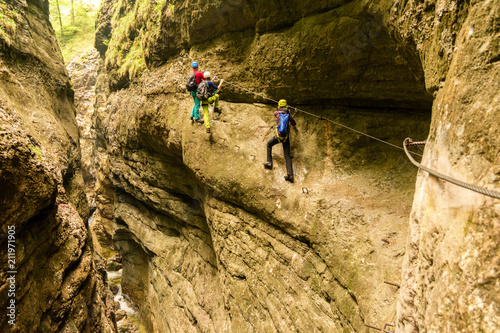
[211,84]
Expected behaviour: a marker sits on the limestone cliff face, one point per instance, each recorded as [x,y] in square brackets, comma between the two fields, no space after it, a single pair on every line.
[451,270]
[316,51]
[59,280]
[83,73]
[213,242]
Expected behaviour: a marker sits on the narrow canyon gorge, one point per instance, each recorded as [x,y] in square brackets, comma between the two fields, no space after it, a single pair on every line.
[109,190]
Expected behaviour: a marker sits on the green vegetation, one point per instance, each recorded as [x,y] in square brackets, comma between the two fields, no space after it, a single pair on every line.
[134,25]
[8,19]
[132,29]
[108,252]
[37,151]
[469,223]
[314,231]
[74,24]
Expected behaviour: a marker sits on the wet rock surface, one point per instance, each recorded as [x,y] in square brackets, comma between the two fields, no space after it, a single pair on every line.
[209,240]
[213,242]
[59,278]
[450,274]
[239,240]
[83,73]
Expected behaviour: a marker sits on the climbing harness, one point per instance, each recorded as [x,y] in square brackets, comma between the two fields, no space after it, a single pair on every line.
[408,142]
[281,139]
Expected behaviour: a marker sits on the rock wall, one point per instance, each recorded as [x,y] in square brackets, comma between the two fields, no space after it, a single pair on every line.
[59,280]
[450,276]
[337,52]
[83,73]
[210,240]
[213,242]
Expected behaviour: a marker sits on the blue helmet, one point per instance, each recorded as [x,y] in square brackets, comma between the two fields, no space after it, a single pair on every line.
[194,64]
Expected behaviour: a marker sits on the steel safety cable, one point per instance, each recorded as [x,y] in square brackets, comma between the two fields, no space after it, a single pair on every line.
[408,142]
[322,118]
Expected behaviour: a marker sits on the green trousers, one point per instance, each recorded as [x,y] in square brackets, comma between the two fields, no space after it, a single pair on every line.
[214,99]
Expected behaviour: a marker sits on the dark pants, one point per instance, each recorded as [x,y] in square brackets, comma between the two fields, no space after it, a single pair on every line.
[286,151]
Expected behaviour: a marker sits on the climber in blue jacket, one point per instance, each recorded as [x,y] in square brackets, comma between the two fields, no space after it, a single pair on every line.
[283,119]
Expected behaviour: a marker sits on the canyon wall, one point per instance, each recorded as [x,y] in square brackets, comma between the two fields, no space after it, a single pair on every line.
[450,280]
[56,280]
[210,240]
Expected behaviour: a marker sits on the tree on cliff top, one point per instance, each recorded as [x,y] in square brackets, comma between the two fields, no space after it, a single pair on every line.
[74,24]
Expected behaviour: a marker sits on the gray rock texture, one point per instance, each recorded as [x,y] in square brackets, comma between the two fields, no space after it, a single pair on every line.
[212,242]
[83,73]
[451,270]
[59,278]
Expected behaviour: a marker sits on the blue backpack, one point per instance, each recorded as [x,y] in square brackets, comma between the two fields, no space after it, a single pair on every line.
[283,128]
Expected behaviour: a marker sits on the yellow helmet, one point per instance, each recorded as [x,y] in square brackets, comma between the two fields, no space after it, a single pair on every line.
[282,102]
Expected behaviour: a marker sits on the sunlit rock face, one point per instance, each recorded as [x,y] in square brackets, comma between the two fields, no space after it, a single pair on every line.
[450,272]
[213,242]
[59,280]
[83,73]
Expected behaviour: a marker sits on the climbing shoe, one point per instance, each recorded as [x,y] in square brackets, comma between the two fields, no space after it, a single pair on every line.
[289,178]
[199,121]
[192,119]
[208,130]
[217,110]
[268,165]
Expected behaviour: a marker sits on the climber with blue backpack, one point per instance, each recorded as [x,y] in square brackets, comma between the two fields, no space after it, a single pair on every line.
[283,120]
